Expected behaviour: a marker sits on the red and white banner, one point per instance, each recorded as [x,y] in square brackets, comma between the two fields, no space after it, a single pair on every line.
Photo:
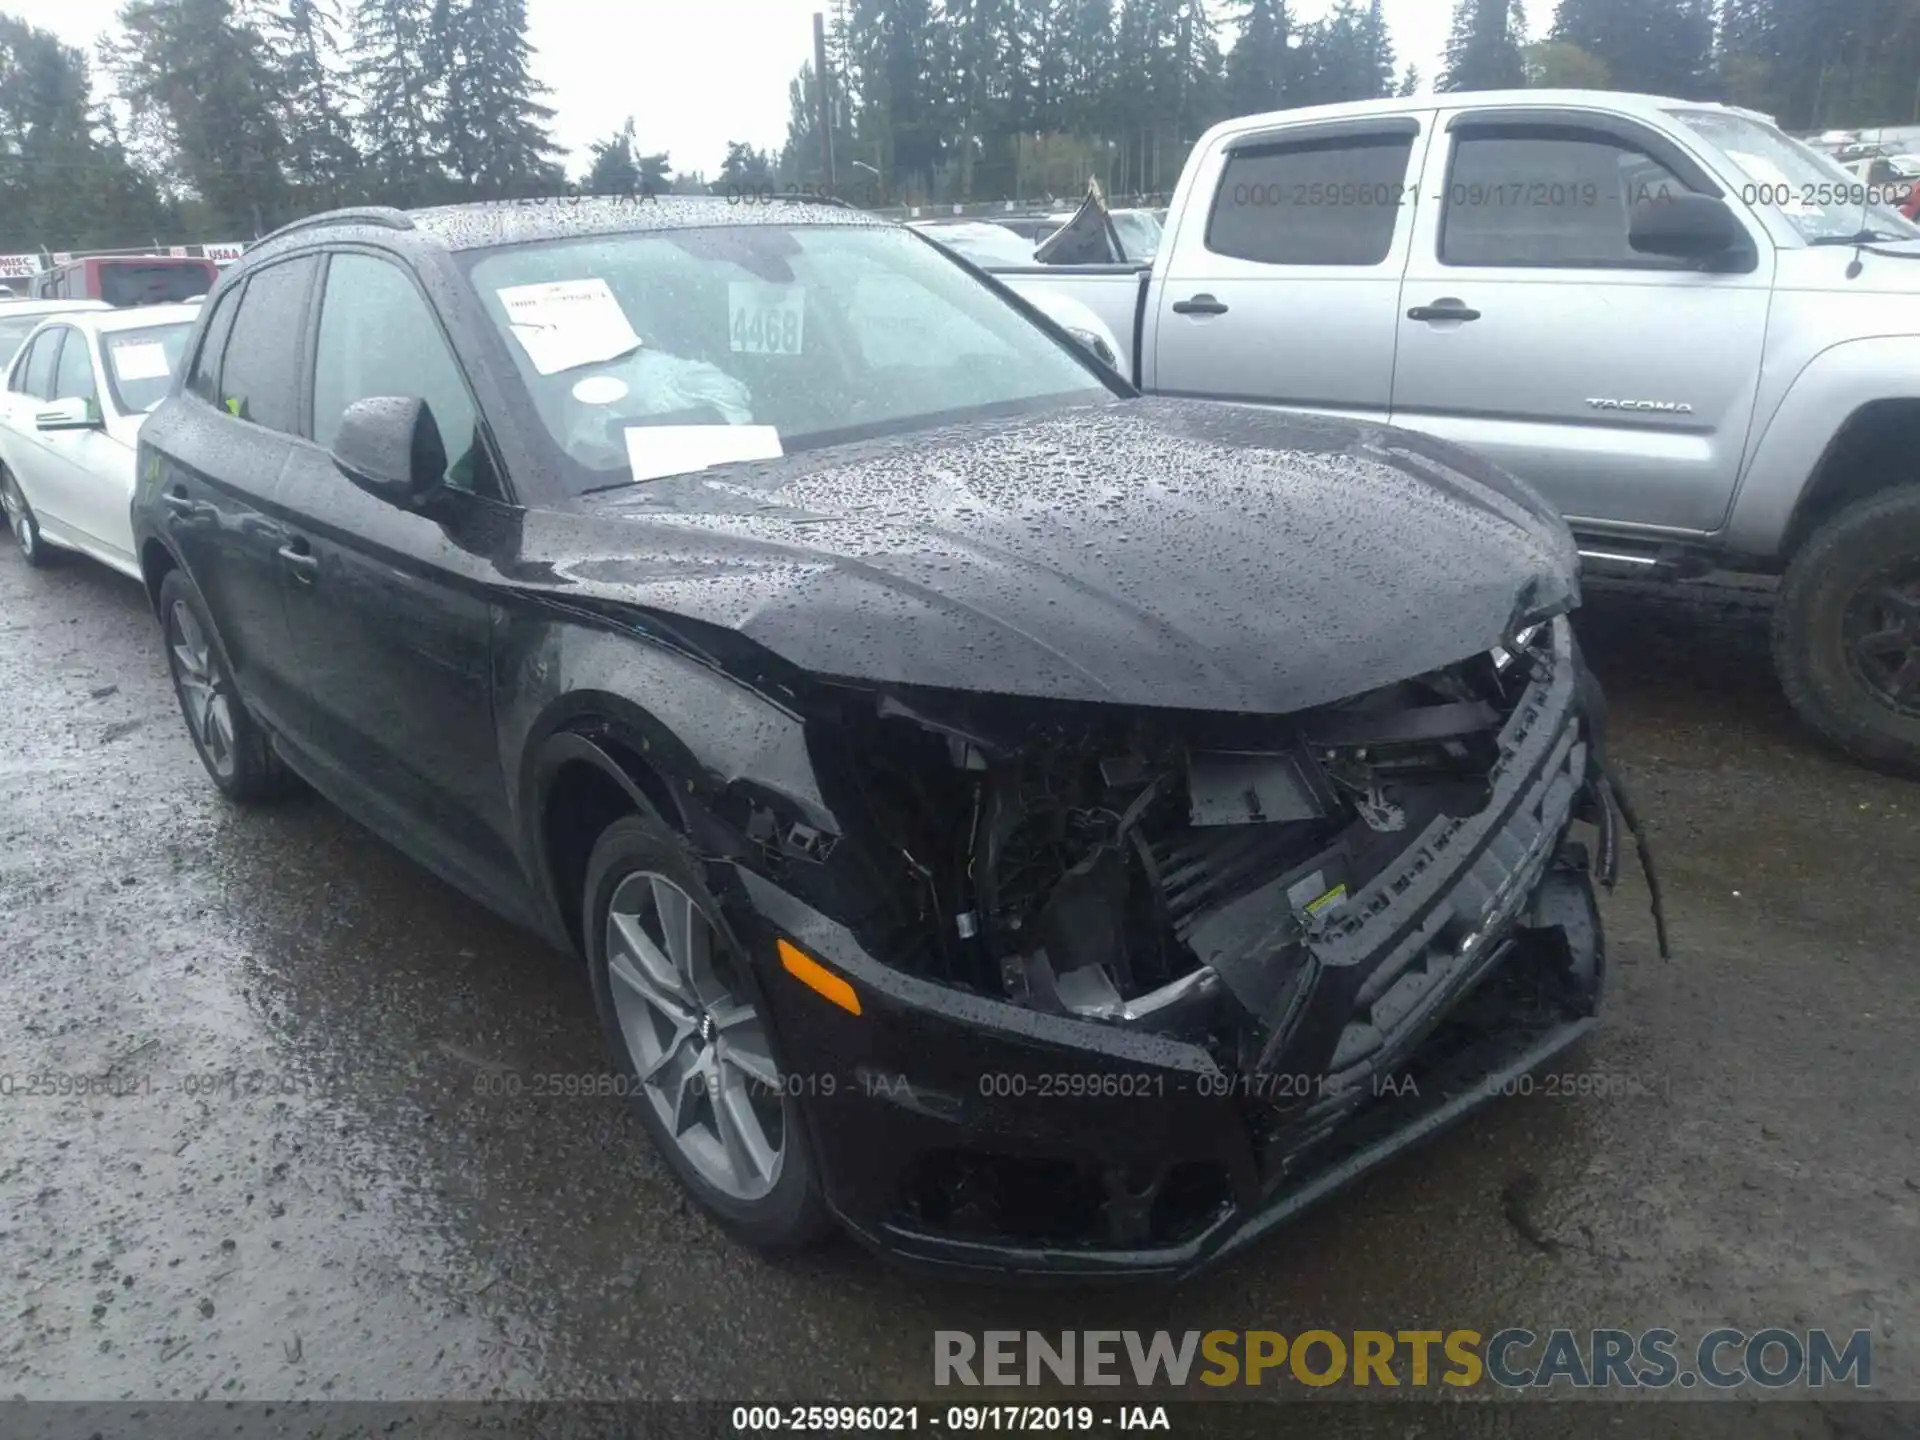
[19,267]
[179,252]
[63,257]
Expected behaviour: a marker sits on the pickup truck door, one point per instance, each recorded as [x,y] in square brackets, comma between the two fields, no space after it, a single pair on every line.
[1280,281]
[1620,384]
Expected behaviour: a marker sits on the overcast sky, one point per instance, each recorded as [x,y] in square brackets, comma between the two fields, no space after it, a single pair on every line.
[695,74]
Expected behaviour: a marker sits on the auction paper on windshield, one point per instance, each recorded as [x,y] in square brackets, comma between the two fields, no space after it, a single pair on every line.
[655,451]
[565,324]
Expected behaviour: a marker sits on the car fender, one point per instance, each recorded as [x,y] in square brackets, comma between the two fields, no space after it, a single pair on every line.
[697,747]
[1788,447]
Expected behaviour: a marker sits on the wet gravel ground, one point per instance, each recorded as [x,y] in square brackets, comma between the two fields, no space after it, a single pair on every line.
[356,1214]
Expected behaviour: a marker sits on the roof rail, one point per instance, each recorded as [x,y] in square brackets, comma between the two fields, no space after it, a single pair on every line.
[384,216]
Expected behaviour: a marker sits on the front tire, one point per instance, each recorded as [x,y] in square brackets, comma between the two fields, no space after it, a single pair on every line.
[238,757]
[1846,636]
[681,1016]
[23,525]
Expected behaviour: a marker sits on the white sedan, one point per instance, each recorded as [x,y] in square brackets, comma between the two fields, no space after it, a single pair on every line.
[76,395]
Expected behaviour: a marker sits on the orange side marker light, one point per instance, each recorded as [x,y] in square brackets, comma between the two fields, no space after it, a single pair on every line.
[816,977]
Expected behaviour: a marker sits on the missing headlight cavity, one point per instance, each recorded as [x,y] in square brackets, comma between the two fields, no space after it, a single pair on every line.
[1071,858]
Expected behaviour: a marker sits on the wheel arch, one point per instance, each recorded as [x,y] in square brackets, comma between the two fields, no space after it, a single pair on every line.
[155,561]
[1876,449]
[599,759]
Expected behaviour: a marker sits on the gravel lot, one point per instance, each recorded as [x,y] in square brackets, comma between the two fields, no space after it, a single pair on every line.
[359,1216]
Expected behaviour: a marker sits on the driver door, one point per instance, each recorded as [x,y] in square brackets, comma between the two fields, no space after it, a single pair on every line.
[388,607]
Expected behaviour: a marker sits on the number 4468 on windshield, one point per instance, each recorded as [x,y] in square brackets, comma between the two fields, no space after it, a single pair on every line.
[766,319]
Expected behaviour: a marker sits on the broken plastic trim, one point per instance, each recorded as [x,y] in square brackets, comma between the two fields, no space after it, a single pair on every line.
[1618,794]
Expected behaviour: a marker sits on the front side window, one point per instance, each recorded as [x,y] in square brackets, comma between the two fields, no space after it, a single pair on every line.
[655,354]
[1324,201]
[74,380]
[259,378]
[1533,195]
[378,336]
[141,364]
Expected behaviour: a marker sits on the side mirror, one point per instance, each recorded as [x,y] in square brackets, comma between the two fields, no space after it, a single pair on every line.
[70,414]
[390,447]
[1686,227]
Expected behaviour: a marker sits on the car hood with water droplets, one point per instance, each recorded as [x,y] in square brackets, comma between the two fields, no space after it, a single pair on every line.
[1149,552]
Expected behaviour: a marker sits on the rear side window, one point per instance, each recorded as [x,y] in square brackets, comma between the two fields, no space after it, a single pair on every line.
[40,364]
[204,379]
[1541,196]
[75,378]
[259,376]
[1328,201]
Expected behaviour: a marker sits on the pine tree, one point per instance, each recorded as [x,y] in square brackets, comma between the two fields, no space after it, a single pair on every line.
[1483,52]
[1348,56]
[614,170]
[206,73]
[322,159]
[400,102]
[491,134]
[1409,83]
[1259,66]
[1663,47]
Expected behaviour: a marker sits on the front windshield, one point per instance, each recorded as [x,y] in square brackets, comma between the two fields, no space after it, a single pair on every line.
[1139,233]
[1817,196]
[141,363]
[14,330]
[660,353]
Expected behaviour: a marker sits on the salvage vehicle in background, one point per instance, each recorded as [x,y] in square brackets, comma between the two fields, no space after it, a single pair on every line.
[1699,338]
[18,318]
[129,279]
[1043,827]
[77,393]
[981,243]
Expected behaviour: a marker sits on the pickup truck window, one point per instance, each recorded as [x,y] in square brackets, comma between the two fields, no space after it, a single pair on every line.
[1326,201]
[1542,196]
[1817,196]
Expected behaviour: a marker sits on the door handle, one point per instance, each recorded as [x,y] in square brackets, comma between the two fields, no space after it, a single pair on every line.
[179,502]
[1199,305]
[1443,310]
[300,560]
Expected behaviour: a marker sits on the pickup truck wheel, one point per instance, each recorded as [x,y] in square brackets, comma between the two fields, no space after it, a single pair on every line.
[1846,635]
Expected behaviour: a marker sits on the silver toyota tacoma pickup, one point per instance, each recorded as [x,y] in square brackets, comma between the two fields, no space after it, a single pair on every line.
[1695,335]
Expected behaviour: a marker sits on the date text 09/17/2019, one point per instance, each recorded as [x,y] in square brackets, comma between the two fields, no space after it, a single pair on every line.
[950,1420]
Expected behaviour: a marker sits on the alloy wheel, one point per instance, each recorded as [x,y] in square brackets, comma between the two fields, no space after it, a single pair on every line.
[698,1045]
[1881,631]
[203,693]
[18,520]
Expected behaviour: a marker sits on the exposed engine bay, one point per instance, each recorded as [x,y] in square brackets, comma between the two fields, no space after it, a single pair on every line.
[1080,860]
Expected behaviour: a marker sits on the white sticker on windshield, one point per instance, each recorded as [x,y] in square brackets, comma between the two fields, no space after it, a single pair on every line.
[765,319]
[568,323]
[600,390]
[140,360]
[657,450]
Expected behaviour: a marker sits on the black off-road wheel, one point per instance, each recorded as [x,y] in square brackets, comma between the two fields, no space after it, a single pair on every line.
[237,755]
[23,525]
[685,1031]
[1846,633]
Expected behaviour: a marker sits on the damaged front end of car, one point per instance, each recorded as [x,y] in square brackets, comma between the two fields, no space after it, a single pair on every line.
[1136,984]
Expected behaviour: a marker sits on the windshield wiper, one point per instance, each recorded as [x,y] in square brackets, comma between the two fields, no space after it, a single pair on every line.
[1862,237]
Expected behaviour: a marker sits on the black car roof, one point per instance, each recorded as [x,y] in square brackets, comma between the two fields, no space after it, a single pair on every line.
[511,222]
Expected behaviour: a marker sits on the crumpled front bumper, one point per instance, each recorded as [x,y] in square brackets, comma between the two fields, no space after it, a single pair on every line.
[1474,960]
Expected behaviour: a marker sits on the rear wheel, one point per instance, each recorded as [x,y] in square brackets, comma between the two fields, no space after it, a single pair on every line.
[22,524]
[683,1027]
[1847,631]
[237,755]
